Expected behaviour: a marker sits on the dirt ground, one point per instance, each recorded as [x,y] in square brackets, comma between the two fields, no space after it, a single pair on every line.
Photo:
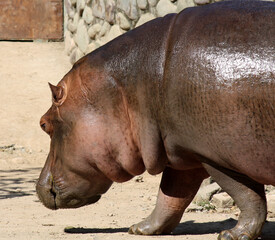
[25,69]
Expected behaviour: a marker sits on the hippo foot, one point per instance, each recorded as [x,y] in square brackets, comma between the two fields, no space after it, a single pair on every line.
[228,235]
[145,228]
[148,227]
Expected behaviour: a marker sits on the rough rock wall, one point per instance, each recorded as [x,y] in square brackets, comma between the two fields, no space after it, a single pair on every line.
[91,23]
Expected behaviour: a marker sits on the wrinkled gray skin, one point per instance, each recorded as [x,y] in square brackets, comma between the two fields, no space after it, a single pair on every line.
[189,95]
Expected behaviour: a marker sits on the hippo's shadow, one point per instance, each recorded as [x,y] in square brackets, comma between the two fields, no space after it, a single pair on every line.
[80,230]
[18,182]
[191,228]
[185,228]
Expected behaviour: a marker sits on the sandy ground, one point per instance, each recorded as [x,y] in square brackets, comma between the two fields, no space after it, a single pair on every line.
[25,69]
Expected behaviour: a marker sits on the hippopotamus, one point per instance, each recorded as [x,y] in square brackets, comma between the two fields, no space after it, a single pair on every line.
[188,95]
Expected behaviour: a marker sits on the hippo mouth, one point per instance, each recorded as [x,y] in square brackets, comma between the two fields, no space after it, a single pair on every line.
[52,199]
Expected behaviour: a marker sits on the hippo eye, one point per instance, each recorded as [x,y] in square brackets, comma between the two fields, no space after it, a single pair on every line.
[43,126]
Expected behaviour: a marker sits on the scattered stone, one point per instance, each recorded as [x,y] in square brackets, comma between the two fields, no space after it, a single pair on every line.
[182,4]
[269,188]
[11,148]
[98,8]
[152,3]
[194,208]
[104,29]
[142,4]
[139,179]
[164,7]
[201,2]
[129,7]
[88,15]
[271,203]
[206,182]
[207,206]
[222,200]
[205,193]
[93,30]
[82,37]
[145,18]
[122,21]
[110,9]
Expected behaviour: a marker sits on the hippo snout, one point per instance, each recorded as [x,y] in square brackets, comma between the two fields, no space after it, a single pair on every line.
[54,199]
[45,193]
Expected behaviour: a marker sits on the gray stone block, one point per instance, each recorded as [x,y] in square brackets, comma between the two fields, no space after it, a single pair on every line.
[78,54]
[201,2]
[145,18]
[129,7]
[73,56]
[270,197]
[69,42]
[82,37]
[142,4]
[93,30]
[88,15]
[182,4]
[80,5]
[92,46]
[222,200]
[114,32]
[152,3]
[122,21]
[165,7]
[104,29]
[110,9]
[98,8]
[205,193]
[71,26]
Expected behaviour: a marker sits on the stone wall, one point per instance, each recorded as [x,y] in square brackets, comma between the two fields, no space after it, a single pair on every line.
[91,23]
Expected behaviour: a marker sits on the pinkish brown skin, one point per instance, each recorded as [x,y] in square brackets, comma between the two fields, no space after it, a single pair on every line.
[194,99]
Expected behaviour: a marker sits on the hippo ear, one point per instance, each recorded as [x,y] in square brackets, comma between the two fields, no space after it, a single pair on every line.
[58,94]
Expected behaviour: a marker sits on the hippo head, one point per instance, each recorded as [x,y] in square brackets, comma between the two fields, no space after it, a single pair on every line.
[91,140]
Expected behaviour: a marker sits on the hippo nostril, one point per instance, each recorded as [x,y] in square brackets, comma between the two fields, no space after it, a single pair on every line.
[53,193]
[54,196]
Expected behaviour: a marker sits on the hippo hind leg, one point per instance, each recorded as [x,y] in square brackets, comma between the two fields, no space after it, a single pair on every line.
[249,197]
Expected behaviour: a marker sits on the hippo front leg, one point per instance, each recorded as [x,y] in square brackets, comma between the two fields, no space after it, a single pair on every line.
[177,189]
